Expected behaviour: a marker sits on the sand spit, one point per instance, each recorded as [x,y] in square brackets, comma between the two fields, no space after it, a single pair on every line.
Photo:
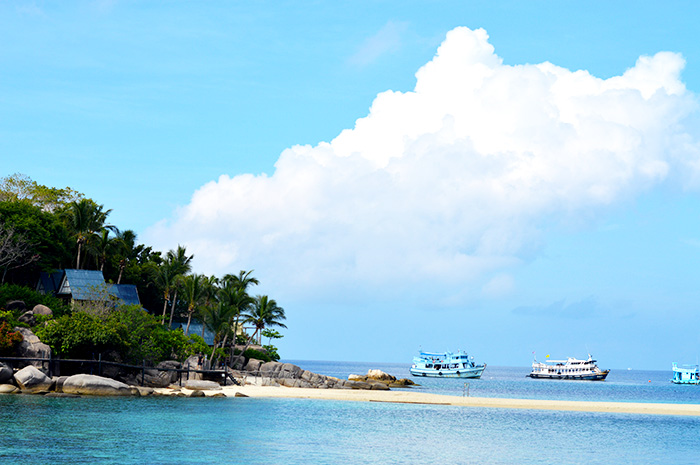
[409,397]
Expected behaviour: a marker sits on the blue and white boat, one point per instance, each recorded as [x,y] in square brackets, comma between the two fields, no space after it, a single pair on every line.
[688,375]
[571,368]
[446,365]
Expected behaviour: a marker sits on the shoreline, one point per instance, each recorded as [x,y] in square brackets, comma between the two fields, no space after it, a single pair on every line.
[407,397]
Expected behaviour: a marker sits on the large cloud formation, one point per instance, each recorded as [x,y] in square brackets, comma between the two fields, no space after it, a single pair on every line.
[451,182]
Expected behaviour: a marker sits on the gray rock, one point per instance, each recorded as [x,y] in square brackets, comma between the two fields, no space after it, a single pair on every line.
[202,385]
[41,310]
[58,383]
[30,379]
[92,385]
[270,369]
[290,371]
[15,306]
[237,362]
[193,363]
[27,318]
[144,391]
[197,393]
[32,347]
[5,373]
[166,367]
[8,389]
[253,365]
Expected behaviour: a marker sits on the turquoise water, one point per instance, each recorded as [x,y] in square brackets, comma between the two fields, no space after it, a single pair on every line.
[38,430]
[512,382]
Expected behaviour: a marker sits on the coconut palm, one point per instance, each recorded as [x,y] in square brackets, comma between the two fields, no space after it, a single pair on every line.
[264,313]
[180,264]
[218,320]
[193,292]
[101,245]
[127,250]
[164,277]
[85,218]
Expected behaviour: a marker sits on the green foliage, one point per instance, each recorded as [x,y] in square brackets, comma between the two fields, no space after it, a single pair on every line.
[47,234]
[8,339]
[31,298]
[272,352]
[20,187]
[198,346]
[129,332]
[258,355]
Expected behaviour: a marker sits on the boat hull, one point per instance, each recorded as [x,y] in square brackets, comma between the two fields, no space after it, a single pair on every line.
[584,377]
[473,373]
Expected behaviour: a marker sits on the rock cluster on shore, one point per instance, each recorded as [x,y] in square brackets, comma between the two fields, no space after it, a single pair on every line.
[32,380]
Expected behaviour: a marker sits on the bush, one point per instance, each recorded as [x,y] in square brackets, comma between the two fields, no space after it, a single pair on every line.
[257,354]
[30,297]
[8,339]
[128,331]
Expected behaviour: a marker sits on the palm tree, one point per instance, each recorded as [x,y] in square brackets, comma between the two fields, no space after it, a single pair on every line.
[85,218]
[180,265]
[264,313]
[210,284]
[242,280]
[164,277]
[193,293]
[127,250]
[218,319]
[101,245]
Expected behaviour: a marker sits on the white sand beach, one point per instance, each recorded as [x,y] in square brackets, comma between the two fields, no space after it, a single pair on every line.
[409,397]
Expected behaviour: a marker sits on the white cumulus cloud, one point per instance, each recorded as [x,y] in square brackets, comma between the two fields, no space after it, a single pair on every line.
[449,183]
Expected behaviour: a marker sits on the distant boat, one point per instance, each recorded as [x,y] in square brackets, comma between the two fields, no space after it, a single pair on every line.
[446,365]
[689,375]
[570,368]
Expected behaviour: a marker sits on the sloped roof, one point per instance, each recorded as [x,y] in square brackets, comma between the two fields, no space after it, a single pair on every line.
[82,284]
[49,283]
[127,293]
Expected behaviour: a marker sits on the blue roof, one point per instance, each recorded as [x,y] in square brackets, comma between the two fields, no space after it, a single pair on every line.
[49,282]
[127,293]
[83,284]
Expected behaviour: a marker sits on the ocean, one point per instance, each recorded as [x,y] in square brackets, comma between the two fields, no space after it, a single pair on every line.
[40,430]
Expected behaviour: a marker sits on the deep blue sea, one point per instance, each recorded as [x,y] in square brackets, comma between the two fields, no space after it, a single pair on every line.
[40,430]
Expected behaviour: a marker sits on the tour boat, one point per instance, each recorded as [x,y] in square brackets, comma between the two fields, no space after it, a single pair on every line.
[570,368]
[446,365]
[689,375]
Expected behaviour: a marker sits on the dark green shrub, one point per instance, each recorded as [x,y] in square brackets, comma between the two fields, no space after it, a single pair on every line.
[30,297]
[257,354]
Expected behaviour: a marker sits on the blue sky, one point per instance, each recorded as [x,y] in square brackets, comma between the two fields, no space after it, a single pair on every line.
[537,191]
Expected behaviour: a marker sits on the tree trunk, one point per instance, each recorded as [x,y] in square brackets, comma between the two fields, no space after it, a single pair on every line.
[189,318]
[172,309]
[165,307]
[77,259]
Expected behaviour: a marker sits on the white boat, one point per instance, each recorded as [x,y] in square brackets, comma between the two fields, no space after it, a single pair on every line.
[689,375]
[446,365]
[571,368]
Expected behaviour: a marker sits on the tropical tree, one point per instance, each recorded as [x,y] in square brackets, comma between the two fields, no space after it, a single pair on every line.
[264,313]
[193,292]
[127,250]
[85,218]
[180,265]
[102,244]
[218,320]
[164,276]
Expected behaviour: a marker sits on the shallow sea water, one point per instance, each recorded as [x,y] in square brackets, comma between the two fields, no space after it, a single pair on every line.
[38,430]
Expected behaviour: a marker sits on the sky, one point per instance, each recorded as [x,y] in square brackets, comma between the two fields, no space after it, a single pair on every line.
[505,178]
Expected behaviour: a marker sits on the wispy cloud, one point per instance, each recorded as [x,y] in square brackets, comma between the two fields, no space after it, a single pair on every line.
[586,308]
[387,40]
